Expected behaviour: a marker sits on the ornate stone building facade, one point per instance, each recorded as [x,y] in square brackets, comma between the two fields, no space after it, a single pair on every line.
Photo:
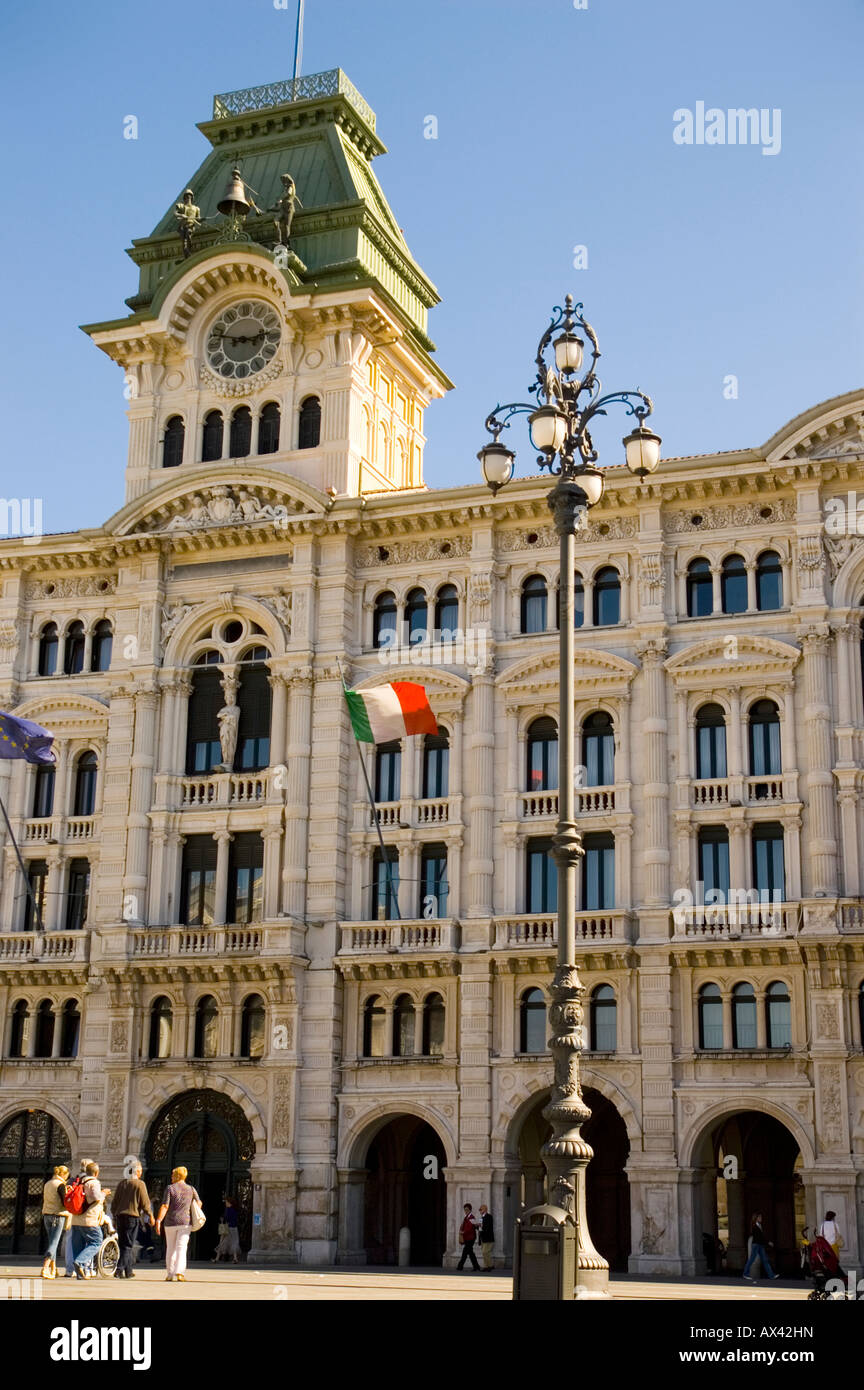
[223,978]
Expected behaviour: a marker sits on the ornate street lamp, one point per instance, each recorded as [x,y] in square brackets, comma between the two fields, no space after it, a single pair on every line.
[558,422]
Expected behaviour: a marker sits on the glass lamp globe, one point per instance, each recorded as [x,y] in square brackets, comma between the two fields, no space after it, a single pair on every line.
[642,451]
[497,464]
[548,427]
[591,483]
[568,352]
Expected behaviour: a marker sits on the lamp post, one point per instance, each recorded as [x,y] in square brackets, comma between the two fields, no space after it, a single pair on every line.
[558,427]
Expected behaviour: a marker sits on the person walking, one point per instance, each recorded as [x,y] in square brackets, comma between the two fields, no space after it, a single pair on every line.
[175,1214]
[229,1230]
[86,1227]
[130,1206]
[467,1237]
[758,1250]
[830,1231]
[54,1218]
[487,1237]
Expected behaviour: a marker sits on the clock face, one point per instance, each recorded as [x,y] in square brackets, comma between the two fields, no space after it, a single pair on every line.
[243,339]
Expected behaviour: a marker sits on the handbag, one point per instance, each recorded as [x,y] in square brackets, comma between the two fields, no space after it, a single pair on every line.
[461,1238]
[196,1215]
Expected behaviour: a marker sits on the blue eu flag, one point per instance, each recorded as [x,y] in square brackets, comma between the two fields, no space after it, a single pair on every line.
[21,738]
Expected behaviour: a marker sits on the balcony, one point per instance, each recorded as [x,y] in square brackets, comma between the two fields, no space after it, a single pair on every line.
[590,801]
[385,938]
[59,830]
[532,929]
[51,947]
[736,921]
[711,792]
[138,945]
[753,791]
[225,789]
[433,810]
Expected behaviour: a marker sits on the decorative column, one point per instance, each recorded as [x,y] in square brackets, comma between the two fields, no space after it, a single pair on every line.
[820,779]
[297,795]
[54,900]
[223,840]
[278,719]
[140,801]
[848,800]
[272,844]
[656,788]
[739,876]
[752,604]
[481,802]
[716,595]
[734,762]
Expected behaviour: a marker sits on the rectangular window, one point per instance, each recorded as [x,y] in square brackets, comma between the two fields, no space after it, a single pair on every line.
[768,866]
[433,882]
[253,732]
[203,749]
[43,792]
[388,771]
[37,874]
[541,872]
[385,886]
[78,894]
[198,886]
[714,863]
[246,879]
[598,872]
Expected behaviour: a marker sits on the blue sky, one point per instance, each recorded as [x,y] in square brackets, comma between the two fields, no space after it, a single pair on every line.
[555,130]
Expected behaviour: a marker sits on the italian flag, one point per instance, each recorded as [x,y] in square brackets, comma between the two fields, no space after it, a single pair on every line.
[389,712]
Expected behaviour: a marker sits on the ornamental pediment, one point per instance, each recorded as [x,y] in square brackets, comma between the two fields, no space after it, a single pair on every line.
[833,430]
[594,670]
[730,657]
[65,713]
[205,503]
[442,686]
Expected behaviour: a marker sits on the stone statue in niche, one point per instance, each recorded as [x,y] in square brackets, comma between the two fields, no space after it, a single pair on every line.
[229,725]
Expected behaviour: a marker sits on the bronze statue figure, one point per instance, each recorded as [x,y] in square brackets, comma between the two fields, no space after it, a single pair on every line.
[284,207]
[188,220]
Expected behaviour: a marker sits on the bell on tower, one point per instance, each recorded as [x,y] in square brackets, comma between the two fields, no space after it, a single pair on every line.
[235,205]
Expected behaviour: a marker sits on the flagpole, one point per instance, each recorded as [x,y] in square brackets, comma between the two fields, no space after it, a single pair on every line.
[27,884]
[393,891]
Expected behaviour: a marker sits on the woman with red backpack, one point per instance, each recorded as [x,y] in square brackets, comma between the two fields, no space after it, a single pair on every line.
[85,1199]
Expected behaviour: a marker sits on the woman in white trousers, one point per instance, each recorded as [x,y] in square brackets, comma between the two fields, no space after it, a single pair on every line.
[175,1214]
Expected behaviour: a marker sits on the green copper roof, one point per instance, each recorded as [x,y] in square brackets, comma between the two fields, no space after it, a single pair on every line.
[319,130]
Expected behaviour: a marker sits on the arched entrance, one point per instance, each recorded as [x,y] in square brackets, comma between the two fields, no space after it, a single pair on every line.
[749,1162]
[32,1143]
[606,1188]
[405,1187]
[207,1133]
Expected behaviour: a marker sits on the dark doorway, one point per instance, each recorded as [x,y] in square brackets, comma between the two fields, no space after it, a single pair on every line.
[405,1186]
[206,1133]
[750,1163]
[32,1143]
[607,1190]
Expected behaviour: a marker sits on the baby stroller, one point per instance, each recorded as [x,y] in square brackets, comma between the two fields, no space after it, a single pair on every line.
[825,1267]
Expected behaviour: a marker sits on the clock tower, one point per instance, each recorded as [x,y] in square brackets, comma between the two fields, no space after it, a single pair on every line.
[280,317]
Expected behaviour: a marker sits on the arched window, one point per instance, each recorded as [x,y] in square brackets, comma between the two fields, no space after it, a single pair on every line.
[48,646]
[764,728]
[769,581]
[607,597]
[309,432]
[743,1016]
[206,1027]
[733,585]
[436,764]
[172,442]
[77,894]
[541,877]
[433,1026]
[211,439]
[769,876]
[604,1019]
[700,589]
[73,649]
[43,791]
[447,612]
[598,749]
[417,616]
[253,1026]
[18,1030]
[542,750]
[532,1021]
[778,1007]
[161,1027]
[70,1028]
[534,600]
[86,771]
[384,620]
[268,429]
[374,1019]
[434,888]
[240,437]
[403,1026]
[253,731]
[710,1018]
[710,742]
[388,771]
[203,749]
[578,602]
[103,641]
[44,1029]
